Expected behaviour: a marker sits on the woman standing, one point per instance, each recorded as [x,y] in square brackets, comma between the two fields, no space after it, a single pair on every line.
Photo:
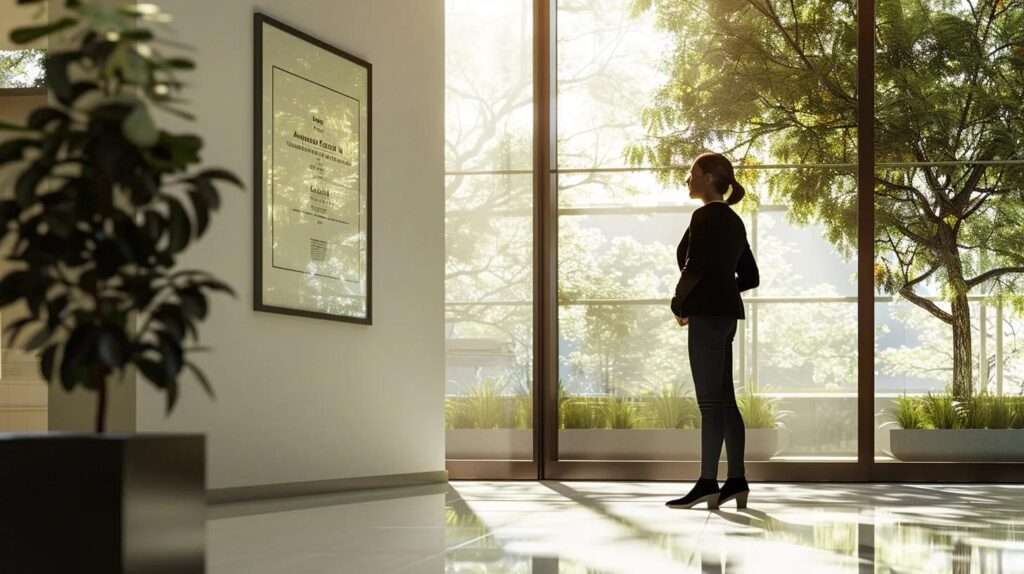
[716,263]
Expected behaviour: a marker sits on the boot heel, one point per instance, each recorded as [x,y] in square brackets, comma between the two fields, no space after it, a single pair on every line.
[741,500]
[713,503]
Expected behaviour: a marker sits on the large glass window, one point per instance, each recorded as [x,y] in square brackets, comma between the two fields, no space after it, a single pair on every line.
[643,87]
[489,229]
[949,200]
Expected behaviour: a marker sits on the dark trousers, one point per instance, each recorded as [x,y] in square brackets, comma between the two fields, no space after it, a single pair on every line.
[710,347]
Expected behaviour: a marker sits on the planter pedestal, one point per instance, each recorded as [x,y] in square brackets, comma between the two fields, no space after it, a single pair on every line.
[977,445]
[628,444]
[116,504]
[759,444]
[488,444]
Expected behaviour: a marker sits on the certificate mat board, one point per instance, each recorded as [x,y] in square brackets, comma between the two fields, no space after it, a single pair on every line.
[312,176]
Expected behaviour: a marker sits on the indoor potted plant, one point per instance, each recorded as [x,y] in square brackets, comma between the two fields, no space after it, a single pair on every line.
[102,205]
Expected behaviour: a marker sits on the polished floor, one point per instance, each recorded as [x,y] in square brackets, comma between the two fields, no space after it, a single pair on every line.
[612,527]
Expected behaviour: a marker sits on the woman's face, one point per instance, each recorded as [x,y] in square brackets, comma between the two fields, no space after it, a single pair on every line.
[699,183]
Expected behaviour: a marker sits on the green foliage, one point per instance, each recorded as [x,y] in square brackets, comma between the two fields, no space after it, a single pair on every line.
[98,216]
[759,411]
[940,412]
[620,413]
[987,412]
[487,407]
[907,413]
[1017,412]
[523,412]
[581,413]
[670,408]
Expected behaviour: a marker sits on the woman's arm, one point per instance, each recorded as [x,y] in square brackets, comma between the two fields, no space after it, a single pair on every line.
[747,273]
[696,258]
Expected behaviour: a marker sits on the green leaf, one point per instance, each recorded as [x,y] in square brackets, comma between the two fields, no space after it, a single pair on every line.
[203,381]
[41,337]
[74,369]
[32,33]
[137,35]
[180,227]
[221,174]
[172,395]
[46,362]
[179,63]
[153,371]
[14,329]
[172,319]
[193,302]
[57,77]
[109,349]
[184,149]
[12,286]
[9,127]
[14,150]
[202,211]
[28,181]
[206,189]
[139,128]
[40,117]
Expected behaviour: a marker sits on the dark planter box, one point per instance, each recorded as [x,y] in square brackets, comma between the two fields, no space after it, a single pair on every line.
[116,504]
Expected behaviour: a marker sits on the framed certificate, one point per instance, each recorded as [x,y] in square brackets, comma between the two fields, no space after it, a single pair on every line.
[312,176]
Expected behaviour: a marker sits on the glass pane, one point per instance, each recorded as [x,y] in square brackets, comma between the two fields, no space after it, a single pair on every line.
[489,229]
[488,85]
[609,68]
[22,68]
[652,85]
[948,204]
[489,317]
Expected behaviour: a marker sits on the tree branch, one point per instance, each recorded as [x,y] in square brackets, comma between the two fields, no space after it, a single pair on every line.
[930,306]
[991,274]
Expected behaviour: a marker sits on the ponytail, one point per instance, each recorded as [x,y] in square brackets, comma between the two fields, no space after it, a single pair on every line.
[737,192]
[722,176]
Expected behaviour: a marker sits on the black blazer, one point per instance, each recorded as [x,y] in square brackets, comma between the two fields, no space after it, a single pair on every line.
[716,264]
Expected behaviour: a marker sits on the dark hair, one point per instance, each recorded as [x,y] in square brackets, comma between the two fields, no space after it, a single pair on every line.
[722,175]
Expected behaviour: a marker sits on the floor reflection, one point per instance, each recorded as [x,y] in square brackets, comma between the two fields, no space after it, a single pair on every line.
[623,527]
[616,527]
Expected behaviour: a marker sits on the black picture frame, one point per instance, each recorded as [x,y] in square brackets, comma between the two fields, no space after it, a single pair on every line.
[259,21]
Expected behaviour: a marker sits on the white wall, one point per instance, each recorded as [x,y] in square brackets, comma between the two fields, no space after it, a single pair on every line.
[304,399]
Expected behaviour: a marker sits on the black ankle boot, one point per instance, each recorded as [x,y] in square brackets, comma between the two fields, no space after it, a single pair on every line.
[737,488]
[706,490]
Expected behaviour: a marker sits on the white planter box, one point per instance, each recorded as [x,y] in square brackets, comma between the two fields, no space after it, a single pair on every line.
[629,444]
[760,444]
[489,444]
[958,445]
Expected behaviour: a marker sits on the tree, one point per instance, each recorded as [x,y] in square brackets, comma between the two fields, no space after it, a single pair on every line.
[775,81]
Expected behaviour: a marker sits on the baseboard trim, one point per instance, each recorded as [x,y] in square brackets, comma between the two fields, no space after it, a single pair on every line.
[315,487]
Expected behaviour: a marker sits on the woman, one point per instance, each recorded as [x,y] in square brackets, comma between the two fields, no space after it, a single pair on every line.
[716,263]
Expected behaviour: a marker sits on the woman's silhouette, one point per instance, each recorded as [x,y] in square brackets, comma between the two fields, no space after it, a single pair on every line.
[716,264]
